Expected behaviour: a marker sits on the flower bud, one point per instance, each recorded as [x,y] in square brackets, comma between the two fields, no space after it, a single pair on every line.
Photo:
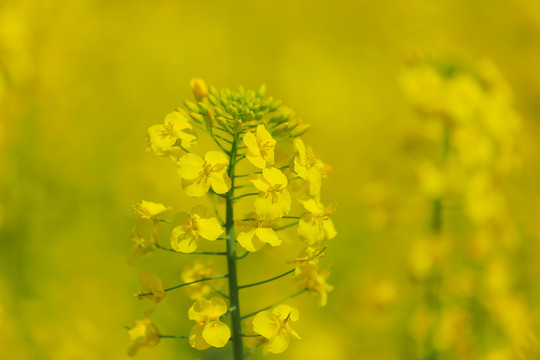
[197,117]
[261,91]
[199,88]
[238,126]
[275,105]
[300,130]
[209,119]
[213,100]
[221,121]
[191,106]
[203,108]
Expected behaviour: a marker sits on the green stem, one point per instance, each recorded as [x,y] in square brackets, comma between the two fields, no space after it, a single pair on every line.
[236,321]
[267,280]
[185,284]
[274,304]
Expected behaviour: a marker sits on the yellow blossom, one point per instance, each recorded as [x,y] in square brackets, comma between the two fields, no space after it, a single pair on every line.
[144,239]
[199,174]
[149,210]
[316,225]
[185,238]
[208,330]
[260,147]
[258,232]
[142,333]
[306,272]
[151,284]
[199,87]
[176,131]
[274,199]
[308,255]
[198,271]
[308,167]
[275,326]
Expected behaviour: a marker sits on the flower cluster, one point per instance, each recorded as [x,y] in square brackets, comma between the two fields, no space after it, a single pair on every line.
[261,162]
[471,120]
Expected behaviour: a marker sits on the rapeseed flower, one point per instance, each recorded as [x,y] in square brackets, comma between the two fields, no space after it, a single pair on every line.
[199,174]
[208,330]
[175,133]
[260,147]
[275,326]
[143,333]
[274,199]
[198,271]
[149,210]
[258,232]
[185,238]
[153,285]
[316,225]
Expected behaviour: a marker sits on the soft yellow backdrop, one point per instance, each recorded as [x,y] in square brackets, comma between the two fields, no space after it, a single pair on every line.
[82,81]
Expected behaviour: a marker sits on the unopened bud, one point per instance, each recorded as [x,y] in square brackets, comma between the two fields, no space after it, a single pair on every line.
[238,126]
[280,128]
[191,106]
[261,91]
[275,105]
[200,90]
[213,100]
[209,119]
[197,117]
[300,130]
[222,121]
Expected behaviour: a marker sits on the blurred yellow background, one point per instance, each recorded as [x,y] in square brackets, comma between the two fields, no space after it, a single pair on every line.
[82,80]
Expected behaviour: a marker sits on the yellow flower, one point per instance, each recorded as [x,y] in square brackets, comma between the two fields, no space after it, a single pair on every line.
[196,272]
[149,210]
[185,238]
[151,283]
[307,256]
[315,225]
[308,167]
[144,237]
[143,333]
[274,200]
[208,330]
[199,174]
[260,147]
[163,139]
[275,326]
[200,90]
[258,232]
[306,272]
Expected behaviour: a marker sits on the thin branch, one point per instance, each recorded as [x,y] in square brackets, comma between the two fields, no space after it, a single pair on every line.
[287,226]
[173,337]
[244,195]
[277,303]
[267,280]
[214,201]
[291,217]
[186,284]
[218,292]
[240,158]
[243,255]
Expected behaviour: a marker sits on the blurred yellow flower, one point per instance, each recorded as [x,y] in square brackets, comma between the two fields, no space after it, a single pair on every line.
[308,167]
[151,284]
[260,147]
[316,225]
[275,326]
[199,88]
[143,333]
[196,272]
[163,139]
[274,199]
[199,174]
[149,210]
[144,239]
[258,232]
[208,330]
[185,238]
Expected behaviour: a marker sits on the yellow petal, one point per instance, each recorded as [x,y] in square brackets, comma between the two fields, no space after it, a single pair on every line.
[221,183]
[329,229]
[275,177]
[251,143]
[199,88]
[279,343]
[259,182]
[216,158]
[190,166]
[269,236]
[210,229]
[196,338]
[284,311]
[199,310]
[265,324]
[216,333]
[247,241]
[196,187]
[217,307]
[183,241]
[310,232]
